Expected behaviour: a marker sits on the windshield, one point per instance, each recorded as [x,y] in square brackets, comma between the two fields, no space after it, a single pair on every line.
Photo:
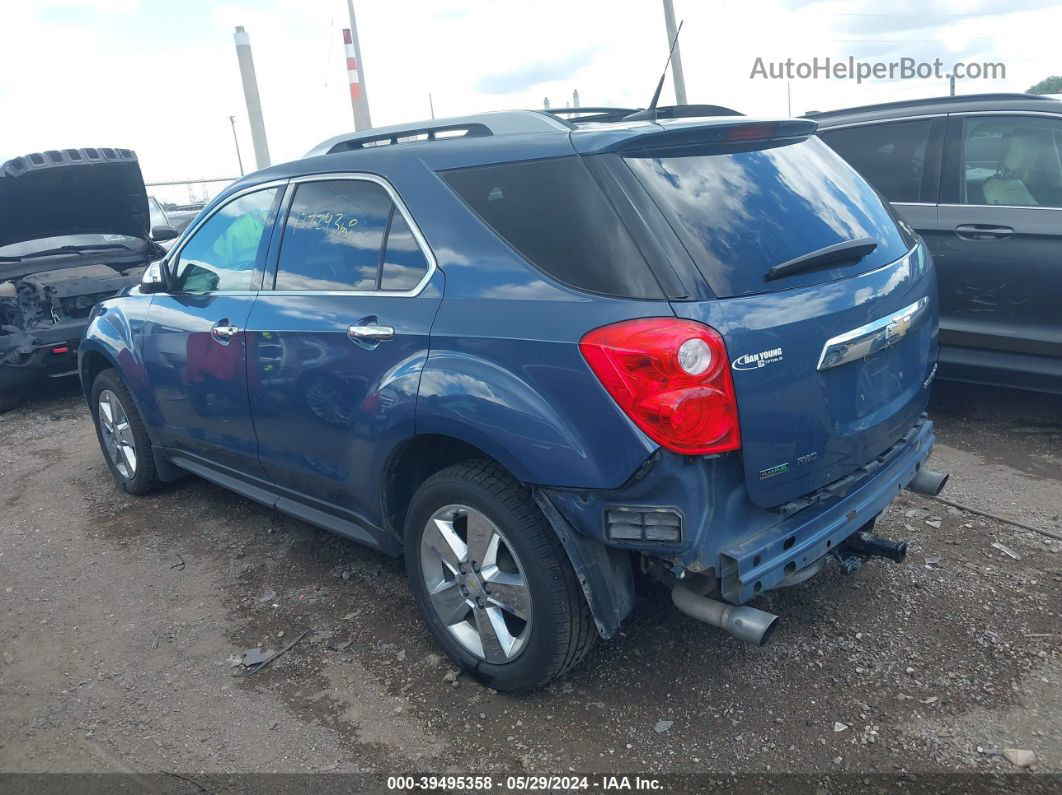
[740,214]
[47,243]
[158,215]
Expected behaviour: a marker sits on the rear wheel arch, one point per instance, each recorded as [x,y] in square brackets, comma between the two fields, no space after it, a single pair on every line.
[412,463]
[605,574]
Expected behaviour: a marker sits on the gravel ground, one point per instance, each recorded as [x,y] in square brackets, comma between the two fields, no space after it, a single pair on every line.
[120,616]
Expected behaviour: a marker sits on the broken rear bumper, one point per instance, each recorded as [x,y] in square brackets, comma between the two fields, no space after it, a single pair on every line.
[723,535]
[761,562]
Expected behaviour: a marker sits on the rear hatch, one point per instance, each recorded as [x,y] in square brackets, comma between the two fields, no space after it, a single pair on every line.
[830,357]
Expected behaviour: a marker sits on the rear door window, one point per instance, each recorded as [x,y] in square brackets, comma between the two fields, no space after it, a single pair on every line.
[347,235]
[1014,161]
[404,263]
[555,214]
[333,236]
[739,214]
[892,156]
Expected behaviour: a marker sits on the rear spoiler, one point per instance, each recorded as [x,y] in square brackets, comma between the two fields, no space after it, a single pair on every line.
[724,132]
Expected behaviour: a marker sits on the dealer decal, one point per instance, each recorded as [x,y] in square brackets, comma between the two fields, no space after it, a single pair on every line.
[752,361]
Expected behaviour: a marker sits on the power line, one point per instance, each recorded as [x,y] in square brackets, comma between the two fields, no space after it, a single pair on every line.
[904,41]
[930,16]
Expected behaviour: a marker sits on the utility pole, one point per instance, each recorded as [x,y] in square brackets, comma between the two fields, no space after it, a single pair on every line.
[235,140]
[951,84]
[676,60]
[431,105]
[359,97]
[789,98]
[250,94]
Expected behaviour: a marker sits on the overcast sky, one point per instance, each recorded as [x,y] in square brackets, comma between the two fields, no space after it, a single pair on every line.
[160,76]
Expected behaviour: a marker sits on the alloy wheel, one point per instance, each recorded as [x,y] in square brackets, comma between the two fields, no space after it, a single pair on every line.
[475,583]
[117,434]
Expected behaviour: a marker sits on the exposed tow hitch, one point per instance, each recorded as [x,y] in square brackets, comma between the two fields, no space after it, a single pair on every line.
[744,623]
[855,550]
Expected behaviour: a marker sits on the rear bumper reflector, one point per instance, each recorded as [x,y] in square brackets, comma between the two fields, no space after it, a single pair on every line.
[623,523]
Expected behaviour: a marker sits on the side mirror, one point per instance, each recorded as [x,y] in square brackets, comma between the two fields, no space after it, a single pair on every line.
[153,280]
[159,233]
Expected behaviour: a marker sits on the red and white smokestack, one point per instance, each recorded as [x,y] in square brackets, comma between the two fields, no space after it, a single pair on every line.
[358,101]
[352,66]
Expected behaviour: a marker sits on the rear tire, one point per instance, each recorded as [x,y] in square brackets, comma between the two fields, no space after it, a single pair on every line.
[526,621]
[10,400]
[122,436]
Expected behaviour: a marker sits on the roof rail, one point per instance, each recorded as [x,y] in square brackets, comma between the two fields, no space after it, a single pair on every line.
[694,111]
[914,103]
[603,115]
[591,113]
[504,122]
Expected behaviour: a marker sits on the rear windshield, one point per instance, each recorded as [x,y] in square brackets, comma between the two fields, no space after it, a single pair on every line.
[553,213]
[740,214]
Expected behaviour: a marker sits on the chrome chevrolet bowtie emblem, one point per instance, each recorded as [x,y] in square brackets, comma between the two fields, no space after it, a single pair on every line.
[871,338]
[898,327]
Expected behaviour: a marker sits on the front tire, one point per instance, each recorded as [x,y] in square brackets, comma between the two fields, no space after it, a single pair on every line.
[492,580]
[122,436]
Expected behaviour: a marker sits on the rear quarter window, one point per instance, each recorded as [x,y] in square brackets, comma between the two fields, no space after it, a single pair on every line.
[554,213]
[891,155]
[741,213]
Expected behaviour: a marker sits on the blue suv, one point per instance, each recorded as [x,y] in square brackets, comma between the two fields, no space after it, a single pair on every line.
[538,355]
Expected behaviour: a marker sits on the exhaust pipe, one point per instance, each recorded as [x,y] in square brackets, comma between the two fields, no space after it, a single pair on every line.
[744,623]
[928,482]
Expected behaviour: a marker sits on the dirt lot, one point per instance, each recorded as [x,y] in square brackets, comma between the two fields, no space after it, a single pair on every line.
[120,616]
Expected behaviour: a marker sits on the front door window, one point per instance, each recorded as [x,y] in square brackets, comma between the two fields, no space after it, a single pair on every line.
[222,254]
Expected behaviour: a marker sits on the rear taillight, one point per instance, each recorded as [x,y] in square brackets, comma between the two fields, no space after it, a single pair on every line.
[672,378]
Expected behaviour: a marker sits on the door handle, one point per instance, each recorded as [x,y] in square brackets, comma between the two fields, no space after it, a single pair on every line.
[222,331]
[983,232]
[360,333]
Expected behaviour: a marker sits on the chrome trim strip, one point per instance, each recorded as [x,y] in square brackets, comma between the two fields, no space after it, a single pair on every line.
[872,337]
[1045,114]
[175,252]
[282,216]
[893,119]
[889,120]
[1003,206]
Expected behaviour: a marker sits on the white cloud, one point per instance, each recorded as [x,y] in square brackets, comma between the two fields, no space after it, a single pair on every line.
[69,79]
